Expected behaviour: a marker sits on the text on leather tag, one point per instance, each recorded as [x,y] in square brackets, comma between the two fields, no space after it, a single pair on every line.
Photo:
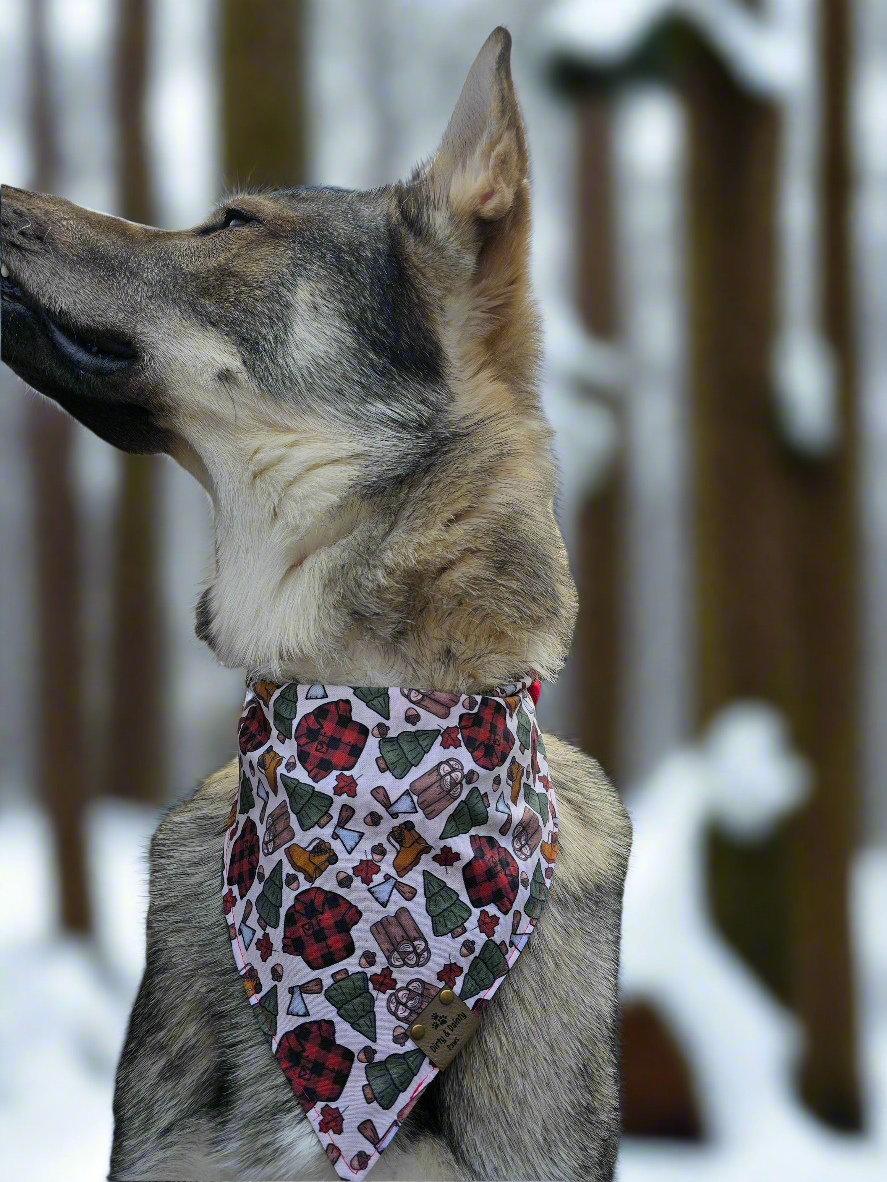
[443,1028]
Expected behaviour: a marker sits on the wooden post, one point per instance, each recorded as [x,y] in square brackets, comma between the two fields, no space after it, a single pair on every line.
[136,722]
[59,748]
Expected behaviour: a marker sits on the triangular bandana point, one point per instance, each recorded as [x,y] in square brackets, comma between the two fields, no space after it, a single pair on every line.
[347,920]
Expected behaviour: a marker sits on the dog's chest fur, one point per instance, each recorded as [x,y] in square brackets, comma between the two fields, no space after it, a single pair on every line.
[196,1084]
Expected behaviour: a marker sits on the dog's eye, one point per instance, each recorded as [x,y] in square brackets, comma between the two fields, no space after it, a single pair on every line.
[235,218]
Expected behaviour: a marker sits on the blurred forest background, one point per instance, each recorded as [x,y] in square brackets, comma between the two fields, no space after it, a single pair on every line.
[710,187]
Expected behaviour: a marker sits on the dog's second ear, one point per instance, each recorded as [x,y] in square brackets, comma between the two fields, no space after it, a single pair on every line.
[479,172]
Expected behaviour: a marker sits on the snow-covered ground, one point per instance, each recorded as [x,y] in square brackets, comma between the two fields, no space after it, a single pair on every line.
[64,1006]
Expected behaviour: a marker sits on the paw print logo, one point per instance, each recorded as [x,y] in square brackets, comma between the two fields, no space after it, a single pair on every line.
[438,1020]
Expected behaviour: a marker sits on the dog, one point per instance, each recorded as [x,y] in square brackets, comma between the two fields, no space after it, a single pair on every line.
[352,377]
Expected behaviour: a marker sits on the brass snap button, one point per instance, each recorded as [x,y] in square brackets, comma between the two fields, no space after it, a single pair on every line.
[417,1031]
[446,996]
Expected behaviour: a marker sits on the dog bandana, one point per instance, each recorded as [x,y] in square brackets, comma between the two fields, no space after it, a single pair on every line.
[387,857]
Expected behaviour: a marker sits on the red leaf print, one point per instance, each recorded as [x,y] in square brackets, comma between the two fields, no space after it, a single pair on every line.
[449,973]
[487,923]
[330,1120]
[265,947]
[228,900]
[446,857]
[450,737]
[345,785]
[383,981]
[546,783]
[366,871]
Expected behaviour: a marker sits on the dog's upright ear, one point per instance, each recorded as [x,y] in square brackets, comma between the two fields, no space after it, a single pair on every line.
[479,172]
[473,197]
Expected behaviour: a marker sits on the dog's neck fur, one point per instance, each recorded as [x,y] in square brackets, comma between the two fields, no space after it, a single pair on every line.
[424,556]
[459,582]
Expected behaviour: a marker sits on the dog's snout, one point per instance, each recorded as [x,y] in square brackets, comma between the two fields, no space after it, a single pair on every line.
[20,224]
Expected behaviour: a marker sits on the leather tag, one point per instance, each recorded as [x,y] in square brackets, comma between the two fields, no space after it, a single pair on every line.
[443,1028]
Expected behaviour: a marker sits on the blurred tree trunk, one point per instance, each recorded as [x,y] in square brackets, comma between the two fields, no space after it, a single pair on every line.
[597,646]
[59,757]
[135,746]
[263,92]
[658,1097]
[776,562]
[828,570]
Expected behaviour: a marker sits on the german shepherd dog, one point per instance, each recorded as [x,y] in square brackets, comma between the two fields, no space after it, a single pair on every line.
[352,377]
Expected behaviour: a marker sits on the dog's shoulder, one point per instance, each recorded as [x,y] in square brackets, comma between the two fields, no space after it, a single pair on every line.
[595,828]
[209,803]
[191,830]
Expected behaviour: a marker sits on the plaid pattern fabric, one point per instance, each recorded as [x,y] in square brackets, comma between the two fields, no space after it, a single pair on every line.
[255,729]
[323,945]
[315,1064]
[318,926]
[491,877]
[329,740]
[486,735]
[244,860]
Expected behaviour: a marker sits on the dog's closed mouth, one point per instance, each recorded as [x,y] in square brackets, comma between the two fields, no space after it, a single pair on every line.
[89,350]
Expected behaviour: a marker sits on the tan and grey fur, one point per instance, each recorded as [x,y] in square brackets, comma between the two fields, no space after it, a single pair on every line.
[353,379]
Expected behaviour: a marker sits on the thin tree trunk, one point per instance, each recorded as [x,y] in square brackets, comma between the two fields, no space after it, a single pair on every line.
[263,94]
[136,737]
[829,563]
[59,754]
[597,646]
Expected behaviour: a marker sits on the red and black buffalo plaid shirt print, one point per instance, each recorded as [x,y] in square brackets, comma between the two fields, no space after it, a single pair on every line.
[255,729]
[318,926]
[491,876]
[244,860]
[329,740]
[486,735]
[315,1064]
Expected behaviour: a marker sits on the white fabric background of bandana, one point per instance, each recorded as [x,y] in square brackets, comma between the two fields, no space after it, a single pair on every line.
[311,787]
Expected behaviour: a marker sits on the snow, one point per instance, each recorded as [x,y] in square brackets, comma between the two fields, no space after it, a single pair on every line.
[64,1003]
[741,1044]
